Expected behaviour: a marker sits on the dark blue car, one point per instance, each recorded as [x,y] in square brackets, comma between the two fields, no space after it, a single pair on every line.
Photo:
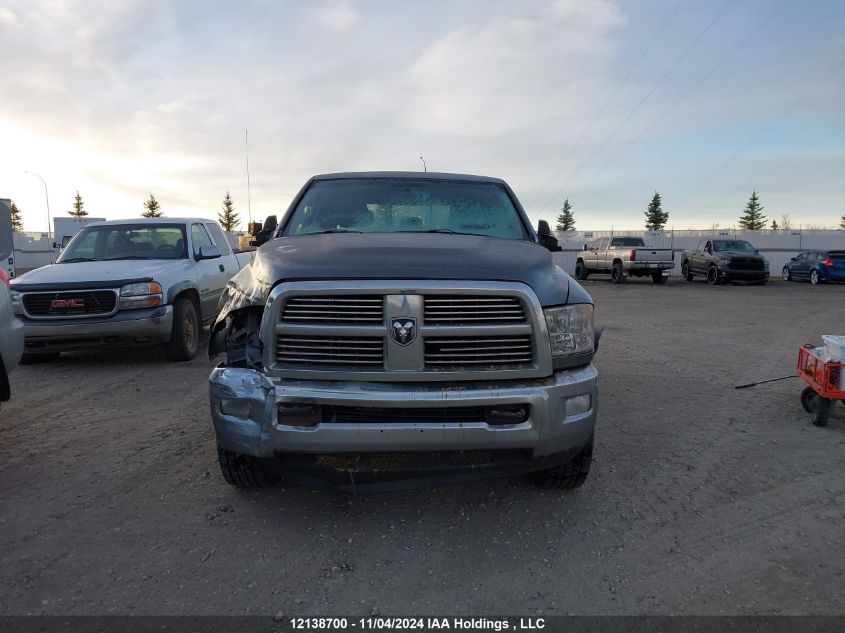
[816,267]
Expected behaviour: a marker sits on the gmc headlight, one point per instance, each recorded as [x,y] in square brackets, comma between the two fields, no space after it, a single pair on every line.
[570,330]
[146,294]
[15,297]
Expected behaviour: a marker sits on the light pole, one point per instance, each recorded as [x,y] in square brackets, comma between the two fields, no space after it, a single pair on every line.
[423,162]
[47,197]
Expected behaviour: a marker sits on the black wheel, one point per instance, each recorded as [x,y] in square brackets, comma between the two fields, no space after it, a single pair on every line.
[185,336]
[686,272]
[581,271]
[567,476]
[821,410]
[814,277]
[712,276]
[34,359]
[242,471]
[659,277]
[807,399]
[787,276]
[617,275]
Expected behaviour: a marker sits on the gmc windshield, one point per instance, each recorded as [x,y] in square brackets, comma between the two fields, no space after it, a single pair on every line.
[126,241]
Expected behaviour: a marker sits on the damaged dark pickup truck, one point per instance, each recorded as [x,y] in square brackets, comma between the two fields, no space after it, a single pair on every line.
[401,327]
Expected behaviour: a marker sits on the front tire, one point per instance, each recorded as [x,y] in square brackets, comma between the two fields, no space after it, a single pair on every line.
[815,278]
[617,275]
[686,272]
[185,336]
[243,471]
[566,476]
[787,276]
[712,276]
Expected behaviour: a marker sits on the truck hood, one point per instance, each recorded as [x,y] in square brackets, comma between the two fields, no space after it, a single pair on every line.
[104,274]
[410,256]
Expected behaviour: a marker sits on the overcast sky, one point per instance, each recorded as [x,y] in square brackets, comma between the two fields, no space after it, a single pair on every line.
[605,101]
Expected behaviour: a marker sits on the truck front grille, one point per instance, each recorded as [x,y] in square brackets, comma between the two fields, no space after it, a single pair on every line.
[746,263]
[341,309]
[472,310]
[407,331]
[476,352]
[69,303]
[330,351]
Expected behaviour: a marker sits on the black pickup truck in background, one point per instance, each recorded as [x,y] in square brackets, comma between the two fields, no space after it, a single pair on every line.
[725,260]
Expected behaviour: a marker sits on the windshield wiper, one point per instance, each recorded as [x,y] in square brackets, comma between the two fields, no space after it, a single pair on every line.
[333,231]
[73,260]
[107,259]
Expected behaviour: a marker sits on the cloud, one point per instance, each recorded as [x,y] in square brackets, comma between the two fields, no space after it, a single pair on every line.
[338,17]
[7,18]
[511,72]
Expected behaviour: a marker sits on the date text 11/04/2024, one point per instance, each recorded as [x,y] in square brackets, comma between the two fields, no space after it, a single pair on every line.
[416,623]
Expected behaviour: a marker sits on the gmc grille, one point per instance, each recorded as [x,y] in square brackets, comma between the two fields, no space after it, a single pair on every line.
[76,303]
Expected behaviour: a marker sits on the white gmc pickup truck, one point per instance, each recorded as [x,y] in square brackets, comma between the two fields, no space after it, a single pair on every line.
[128,282]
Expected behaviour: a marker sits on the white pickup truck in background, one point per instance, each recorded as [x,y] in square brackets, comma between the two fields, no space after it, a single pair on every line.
[621,257]
[128,282]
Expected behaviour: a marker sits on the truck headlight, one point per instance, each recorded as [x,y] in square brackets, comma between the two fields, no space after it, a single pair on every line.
[570,330]
[723,261]
[140,295]
[15,297]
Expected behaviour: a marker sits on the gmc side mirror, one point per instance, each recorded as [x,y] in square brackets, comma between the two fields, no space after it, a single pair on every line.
[208,252]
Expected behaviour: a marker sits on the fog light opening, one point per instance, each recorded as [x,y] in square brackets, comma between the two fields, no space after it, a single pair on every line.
[299,414]
[237,408]
[506,414]
[578,404]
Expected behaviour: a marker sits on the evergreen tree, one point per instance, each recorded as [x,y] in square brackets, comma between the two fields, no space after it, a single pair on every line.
[774,225]
[841,222]
[655,217]
[152,208]
[229,219]
[566,219]
[753,218]
[17,220]
[78,207]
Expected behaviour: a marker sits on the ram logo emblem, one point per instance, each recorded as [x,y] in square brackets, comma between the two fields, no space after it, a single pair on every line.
[403,330]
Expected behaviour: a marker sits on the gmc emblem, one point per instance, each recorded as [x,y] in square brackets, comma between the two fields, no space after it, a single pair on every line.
[62,304]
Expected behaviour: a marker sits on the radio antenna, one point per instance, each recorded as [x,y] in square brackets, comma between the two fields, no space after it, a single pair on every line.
[248,193]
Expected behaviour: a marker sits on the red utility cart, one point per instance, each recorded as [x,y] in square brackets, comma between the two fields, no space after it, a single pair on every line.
[825,380]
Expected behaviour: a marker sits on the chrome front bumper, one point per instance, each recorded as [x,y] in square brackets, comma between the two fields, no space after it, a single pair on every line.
[149,325]
[255,430]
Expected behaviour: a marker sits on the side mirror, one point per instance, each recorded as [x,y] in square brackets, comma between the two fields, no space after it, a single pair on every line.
[266,231]
[208,252]
[545,237]
[254,228]
[56,245]
[793,259]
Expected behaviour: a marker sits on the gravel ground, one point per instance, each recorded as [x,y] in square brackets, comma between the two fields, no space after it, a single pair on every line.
[702,499]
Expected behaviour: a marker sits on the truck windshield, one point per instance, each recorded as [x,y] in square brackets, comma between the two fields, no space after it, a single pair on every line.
[126,241]
[733,245]
[627,241]
[394,205]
